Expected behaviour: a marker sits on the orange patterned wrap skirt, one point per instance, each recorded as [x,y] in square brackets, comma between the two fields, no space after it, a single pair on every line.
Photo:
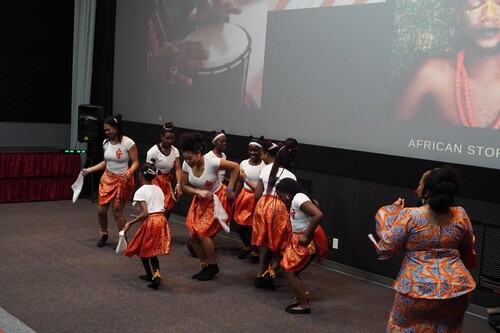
[163,181]
[200,220]
[244,208]
[271,224]
[116,186]
[427,315]
[151,239]
[296,257]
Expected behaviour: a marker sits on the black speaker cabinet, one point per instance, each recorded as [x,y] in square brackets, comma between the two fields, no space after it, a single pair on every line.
[89,121]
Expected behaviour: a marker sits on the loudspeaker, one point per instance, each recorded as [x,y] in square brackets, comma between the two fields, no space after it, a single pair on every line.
[89,120]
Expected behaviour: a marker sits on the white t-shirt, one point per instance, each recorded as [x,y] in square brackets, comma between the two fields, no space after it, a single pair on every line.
[209,180]
[211,154]
[163,163]
[281,174]
[252,171]
[153,196]
[116,156]
[298,219]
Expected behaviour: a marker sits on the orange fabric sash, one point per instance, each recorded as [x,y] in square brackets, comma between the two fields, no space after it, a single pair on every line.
[244,208]
[271,224]
[200,217]
[163,181]
[116,186]
[151,239]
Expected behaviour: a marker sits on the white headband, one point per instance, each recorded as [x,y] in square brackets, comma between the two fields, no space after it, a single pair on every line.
[255,144]
[273,145]
[217,137]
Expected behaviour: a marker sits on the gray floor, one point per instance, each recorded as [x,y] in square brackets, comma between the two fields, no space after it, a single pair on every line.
[54,279]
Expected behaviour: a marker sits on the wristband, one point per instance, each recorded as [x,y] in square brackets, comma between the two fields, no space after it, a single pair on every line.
[85,171]
[229,189]
[178,185]
[246,180]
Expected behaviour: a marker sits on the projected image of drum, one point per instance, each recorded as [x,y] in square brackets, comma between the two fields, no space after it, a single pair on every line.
[222,80]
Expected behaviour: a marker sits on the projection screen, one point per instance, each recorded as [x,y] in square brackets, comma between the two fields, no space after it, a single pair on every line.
[406,78]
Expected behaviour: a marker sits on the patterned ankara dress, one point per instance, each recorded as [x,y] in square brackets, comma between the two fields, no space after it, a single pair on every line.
[433,285]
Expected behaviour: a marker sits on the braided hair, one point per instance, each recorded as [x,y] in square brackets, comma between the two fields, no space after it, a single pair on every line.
[292,187]
[285,158]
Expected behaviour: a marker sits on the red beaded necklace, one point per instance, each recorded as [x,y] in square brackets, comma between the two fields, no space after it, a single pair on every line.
[462,86]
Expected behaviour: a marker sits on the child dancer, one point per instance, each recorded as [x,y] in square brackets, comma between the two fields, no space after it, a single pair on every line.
[153,236]
[307,241]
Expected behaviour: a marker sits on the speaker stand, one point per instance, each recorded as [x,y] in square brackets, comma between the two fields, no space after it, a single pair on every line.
[89,163]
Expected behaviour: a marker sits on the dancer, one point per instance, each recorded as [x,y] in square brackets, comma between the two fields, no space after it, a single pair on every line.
[433,286]
[212,200]
[245,203]
[271,228]
[117,182]
[219,141]
[308,240]
[153,236]
[165,157]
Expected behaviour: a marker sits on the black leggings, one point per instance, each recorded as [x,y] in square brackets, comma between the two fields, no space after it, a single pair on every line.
[245,233]
[155,263]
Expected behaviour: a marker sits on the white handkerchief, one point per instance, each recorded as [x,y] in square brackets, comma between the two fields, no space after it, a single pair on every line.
[220,214]
[122,242]
[381,257]
[77,187]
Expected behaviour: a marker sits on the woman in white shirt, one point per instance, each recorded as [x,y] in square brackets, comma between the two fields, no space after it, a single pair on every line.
[308,240]
[245,203]
[219,140]
[117,182]
[165,158]
[212,201]
[271,228]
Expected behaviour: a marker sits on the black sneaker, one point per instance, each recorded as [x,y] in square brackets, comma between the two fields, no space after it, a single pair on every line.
[156,283]
[254,258]
[203,269]
[244,253]
[146,277]
[209,273]
[102,241]
[268,281]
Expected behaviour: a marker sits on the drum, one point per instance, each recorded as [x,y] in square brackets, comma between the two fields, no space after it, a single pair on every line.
[223,78]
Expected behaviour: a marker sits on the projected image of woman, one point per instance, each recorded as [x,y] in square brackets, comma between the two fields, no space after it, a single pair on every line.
[211,199]
[462,90]
[165,157]
[433,286]
[117,183]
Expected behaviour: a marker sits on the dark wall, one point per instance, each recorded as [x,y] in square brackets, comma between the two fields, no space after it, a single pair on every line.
[352,185]
[36,61]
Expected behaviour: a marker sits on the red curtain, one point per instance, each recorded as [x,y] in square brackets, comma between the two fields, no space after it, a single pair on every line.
[37,176]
